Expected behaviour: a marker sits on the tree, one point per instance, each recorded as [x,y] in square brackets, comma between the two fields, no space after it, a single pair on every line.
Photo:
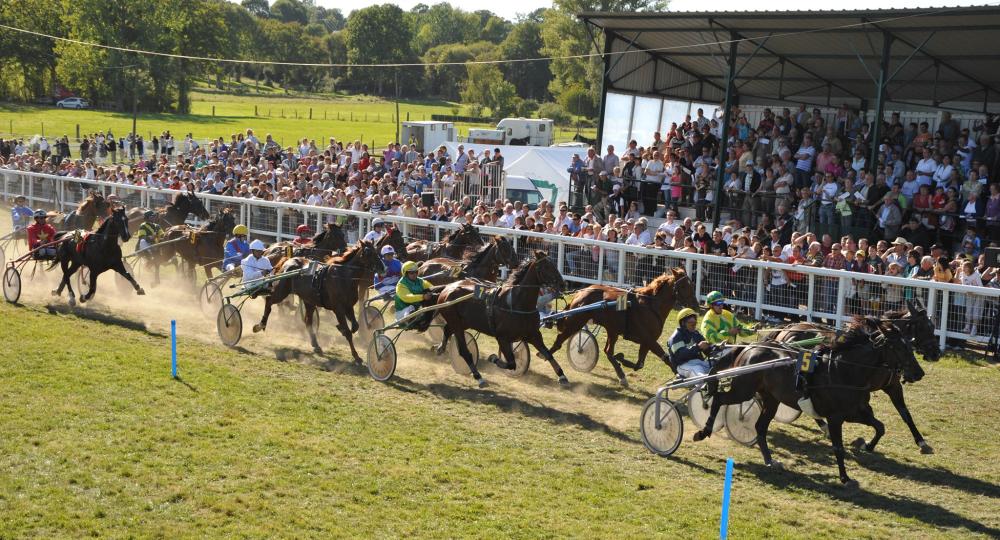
[443,81]
[290,11]
[375,36]
[530,78]
[486,86]
[28,63]
[257,8]
[332,19]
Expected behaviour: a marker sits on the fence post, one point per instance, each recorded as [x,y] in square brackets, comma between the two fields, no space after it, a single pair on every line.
[78,132]
[600,265]
[758,311]
[620,280]
[213,111]
[310,113]
[698,280]
[277,229]
[810,297]
[560,250]
[943,340]
[841,289]
[255,110]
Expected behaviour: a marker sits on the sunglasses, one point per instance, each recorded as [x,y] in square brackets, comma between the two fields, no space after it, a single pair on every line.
[720,304]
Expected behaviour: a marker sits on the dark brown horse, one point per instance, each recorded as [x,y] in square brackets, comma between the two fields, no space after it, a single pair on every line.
[862,360]
[915,326]
[458,244]
[90,210]
[174,213]
[484,266]
[326,243]
[98,251]
[642,322]
[509,313]
[204,246]
[330,285]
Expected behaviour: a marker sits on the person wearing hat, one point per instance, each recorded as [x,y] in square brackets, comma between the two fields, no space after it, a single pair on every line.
[411,290]
[41,233]
[303,235]
[256,265]
[688,346]
[149,232]
[236,249]
[720,325]
[21,214]
[385,281]
[378,230]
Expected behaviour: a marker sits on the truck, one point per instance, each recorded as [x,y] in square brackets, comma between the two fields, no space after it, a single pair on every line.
[427,136]
[516,132]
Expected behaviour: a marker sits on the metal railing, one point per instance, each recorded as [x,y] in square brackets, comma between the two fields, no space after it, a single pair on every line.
[807,292]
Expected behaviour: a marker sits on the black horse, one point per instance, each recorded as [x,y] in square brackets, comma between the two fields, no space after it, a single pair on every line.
[331,286]
[458,244]
[328,242]
[508,313]
[174,213]
[861,361]
[98,251]
[484,266]
[915,326]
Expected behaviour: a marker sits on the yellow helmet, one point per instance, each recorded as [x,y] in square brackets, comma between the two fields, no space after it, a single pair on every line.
[410,266]
[240,229]
[685,313]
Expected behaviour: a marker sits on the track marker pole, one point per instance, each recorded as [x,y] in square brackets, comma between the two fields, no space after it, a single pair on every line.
[173,349]
[724,519]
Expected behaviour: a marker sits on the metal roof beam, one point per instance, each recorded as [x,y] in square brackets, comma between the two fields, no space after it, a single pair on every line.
[753,54]
[633,70]
[752,78]
[621,54]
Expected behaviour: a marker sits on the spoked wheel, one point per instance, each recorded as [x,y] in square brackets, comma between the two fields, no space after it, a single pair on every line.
[786,414]
[559,303]
[699,408]
[522,360]
[3,255]
[661,435]
[741,420]
[371,320]
[435,332]
[302,316]
[582,351]
[11,285]
[210,298]
[457,362]
[229,324]
[381,358]
[123,285]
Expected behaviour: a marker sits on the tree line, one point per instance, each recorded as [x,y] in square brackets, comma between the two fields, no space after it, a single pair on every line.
[304,32]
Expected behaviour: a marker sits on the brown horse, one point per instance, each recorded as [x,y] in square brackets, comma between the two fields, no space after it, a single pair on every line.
[174,213]
[642,322]
[91,209]
[484,266]
[204,246]
[509,313]
[329,241]
[915,325]
[331,286]
[458,244]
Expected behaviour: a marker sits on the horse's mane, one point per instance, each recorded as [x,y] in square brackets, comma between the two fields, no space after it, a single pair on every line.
[518,274]
[102,229]
[87,203]
[858,332]
[897,314]
[480,255]
[347,255]
[214,223]
[654,286]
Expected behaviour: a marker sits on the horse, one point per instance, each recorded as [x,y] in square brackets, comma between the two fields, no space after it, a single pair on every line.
[915,326]
[484,266]
[90,209]
[458,244]
[327,242]
[509,313]
[862,360]
[174,213]
[331,287]
[642,322]
[205,245]
[98,251]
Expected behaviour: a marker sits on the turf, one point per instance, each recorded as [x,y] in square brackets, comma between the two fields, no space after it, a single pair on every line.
[97,439]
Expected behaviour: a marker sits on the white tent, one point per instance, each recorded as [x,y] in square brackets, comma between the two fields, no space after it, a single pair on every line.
[547,169]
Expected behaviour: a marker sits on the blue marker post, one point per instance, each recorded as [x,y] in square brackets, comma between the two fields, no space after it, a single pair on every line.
[173,349]
[724,520]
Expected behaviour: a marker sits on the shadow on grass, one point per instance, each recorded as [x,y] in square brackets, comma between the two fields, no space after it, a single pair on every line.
[103,317]
[187,384]
[925,475]
[828,485]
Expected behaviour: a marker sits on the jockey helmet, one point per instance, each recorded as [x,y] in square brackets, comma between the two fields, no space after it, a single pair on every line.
[40,213]
[685,313]
[303,229]
[240,230]
[714,297]
[410,266]
[148,214]
[257,245]
[377,222]
[387,250]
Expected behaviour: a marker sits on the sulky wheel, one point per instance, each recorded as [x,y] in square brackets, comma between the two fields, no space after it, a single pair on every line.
[435,332]
[11,285]
[210,298]
[786,414]
[371,321]
[229,324]
[582,351]
[662,439]
[381,358]
[522,360]
[741,421]
[3,254]
[457,362]
[699,408]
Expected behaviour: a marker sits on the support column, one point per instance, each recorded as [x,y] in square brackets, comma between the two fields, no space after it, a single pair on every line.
[883,81]
[605,86]
[724,139]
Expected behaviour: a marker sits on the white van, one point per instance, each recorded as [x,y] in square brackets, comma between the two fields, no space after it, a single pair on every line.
[521,188]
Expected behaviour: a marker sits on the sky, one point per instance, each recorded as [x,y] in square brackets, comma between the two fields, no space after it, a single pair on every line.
[510,8]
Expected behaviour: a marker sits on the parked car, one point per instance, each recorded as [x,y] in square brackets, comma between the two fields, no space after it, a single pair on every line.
[73,103]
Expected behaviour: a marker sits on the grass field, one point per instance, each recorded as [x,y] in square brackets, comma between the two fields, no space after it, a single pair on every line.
[272,441]
[286,118]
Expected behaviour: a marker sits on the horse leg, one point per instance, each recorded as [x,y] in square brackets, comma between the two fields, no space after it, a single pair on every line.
[463,351]
[718,400]
[507,352]
[280,291]
[568,328]
[866,416]
[640,359]
[262,325]
[609,351]
[836,425]
[539,344]
[895,393]
[119,267]
[93,288]
[446,332]
[766,415]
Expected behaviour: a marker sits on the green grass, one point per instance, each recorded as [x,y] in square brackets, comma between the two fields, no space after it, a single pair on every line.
[96,439]
[286,118]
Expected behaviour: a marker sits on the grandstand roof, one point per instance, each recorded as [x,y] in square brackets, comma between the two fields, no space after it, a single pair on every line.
[938,55]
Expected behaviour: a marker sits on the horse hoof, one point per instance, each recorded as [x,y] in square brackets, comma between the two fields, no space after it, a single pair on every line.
[55,292]
[439,350]
[317,350]
[493,359]
[859,443]
[849,483]
[257,328]
[926,448]
[699,436]
[358,361]
[563,380]
[481,382]
[72,302]
[624,382]
[140,292]
[776,465]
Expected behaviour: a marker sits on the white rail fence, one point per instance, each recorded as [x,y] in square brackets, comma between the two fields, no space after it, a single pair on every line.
[812,293]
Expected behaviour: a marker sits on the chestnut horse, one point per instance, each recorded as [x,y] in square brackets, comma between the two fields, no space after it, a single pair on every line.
[204,246]
[90,210]
[642,322]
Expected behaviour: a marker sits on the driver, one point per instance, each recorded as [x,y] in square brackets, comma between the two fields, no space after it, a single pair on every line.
[256,265]
[720,325]
[236,249]
[41,233]
[411,290]
[377,232]
[21,215]
[303,235]
[385,282]
[149,233]
[688,346]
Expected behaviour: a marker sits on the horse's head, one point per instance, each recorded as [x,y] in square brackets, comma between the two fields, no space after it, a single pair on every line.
[226,220]
[506,253]
[393,237]
[368,256]
[119,218]
[195,206]
[921,330]
[683,289]
[100,204]
[468,235]
[899,354]
[546,272]
[331,238]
